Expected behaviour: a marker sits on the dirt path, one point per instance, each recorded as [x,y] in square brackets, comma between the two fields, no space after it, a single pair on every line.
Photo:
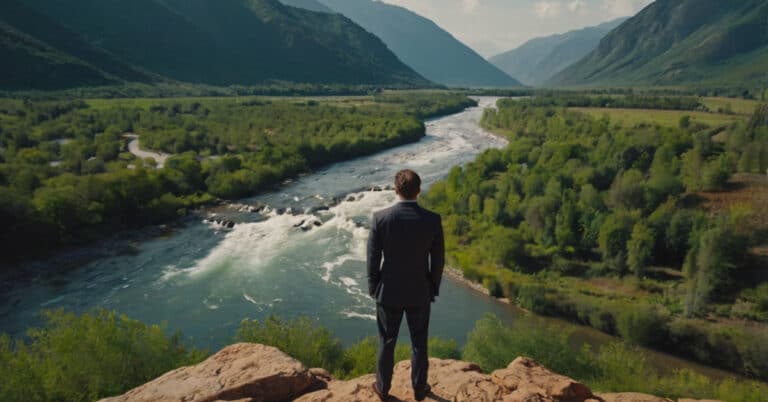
[134,148]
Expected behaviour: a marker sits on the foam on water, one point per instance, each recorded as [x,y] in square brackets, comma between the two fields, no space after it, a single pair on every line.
[353,314]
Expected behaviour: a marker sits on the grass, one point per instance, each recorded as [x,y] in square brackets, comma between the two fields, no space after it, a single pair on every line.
[736,105]
[670,118]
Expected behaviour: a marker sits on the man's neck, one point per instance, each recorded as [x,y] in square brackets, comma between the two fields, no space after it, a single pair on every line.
[407,200]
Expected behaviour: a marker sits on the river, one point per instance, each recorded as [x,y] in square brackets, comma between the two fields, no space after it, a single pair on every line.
[203,278]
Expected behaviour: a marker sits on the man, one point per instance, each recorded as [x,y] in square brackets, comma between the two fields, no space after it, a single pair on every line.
[410,240]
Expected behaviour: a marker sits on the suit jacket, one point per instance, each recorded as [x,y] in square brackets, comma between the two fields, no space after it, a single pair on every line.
[410,240]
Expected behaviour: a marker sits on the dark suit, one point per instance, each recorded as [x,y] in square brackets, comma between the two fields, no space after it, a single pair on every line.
[410,240]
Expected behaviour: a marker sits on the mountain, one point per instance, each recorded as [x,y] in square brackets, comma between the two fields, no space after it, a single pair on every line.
[423,45]
[539,59]
[311,5]
[230,42]
[673,42]
[39,53]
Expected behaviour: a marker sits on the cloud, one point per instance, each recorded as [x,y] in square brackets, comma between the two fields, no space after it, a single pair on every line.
[548,8]
[577,6]
[469,5]
[623,8]
[556,8]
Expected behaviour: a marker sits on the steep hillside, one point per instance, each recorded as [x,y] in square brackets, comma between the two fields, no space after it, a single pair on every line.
[312,5]
[680,42]
[39,53]
[423,45]
[232,41]
[30,64]
[539,59]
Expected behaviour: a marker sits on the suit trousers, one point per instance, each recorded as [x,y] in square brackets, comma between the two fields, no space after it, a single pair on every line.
[389,319]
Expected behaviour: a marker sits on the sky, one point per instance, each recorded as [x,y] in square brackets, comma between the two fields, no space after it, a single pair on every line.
[494,26]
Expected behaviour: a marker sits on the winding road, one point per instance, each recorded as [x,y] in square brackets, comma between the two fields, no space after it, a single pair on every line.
[135,149]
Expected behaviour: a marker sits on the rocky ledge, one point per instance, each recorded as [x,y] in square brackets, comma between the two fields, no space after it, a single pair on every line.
[254,373]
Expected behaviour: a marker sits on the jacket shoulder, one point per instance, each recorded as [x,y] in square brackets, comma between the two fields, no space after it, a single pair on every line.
[431,214]
[378,215]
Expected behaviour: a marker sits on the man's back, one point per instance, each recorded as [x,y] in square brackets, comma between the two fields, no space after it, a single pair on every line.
[410,238]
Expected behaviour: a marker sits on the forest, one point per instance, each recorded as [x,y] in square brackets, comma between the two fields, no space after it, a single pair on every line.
[66,176]
[609,225]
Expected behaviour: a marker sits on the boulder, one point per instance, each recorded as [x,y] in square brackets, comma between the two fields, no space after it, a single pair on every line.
[451,380]
[254,373]
[698,400]
[358,389]
[526,380]
[242,371]
[631,397]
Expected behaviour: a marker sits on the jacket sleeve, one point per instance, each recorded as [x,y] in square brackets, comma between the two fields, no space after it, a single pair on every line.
[374,257]
[437,258]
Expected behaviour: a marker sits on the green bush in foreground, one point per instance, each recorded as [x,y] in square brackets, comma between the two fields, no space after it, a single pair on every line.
[315,346]
[86,357]
[615,367]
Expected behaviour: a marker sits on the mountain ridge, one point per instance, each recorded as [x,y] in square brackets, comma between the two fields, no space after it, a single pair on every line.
[539,59]
[229,42]
[48,54]
[423,45]
[679,42]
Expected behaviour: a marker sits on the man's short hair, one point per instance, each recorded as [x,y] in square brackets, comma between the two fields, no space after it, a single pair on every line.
[407,184]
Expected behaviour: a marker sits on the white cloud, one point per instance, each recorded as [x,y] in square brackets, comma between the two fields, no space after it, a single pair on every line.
[577,6]
[556,8]
[469,5]
[548,8]
[624,8]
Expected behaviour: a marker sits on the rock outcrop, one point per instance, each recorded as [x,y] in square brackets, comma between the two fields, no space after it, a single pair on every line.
[243,371]
[254,373]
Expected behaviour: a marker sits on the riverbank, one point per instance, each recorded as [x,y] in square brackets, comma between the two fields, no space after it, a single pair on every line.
[553,224]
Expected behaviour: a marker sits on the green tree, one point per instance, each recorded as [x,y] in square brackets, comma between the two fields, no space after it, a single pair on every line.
[614,235]
[640,248]
[692,164]
[627,190]
[709,266]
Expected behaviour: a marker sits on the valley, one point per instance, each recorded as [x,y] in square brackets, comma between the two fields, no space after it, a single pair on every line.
[180,175]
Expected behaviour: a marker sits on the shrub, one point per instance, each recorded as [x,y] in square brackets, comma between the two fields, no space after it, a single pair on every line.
[87,357]
[642,325]
[360,358]
[305,340]
[493,345]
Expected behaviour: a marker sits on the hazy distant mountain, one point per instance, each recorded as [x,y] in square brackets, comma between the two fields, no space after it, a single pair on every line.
[220,42]
[39,53]
[539,59]
[680,42]
[423,45]
[312,5]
